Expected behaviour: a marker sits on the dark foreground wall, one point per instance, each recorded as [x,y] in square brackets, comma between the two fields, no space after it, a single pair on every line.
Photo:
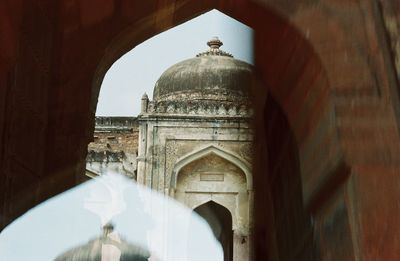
[330,66]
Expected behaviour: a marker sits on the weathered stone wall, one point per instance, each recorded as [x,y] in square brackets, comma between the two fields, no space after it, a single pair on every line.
[179,148]
[115,134]
[167,141]
[114,147]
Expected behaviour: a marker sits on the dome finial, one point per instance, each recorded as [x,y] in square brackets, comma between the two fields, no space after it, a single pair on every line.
[214,43]
[107,229]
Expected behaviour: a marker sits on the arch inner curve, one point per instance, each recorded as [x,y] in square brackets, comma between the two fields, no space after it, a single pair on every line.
[217,152]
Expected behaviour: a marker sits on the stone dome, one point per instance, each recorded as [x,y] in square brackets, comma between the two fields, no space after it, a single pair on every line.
[211,75]
[97,248]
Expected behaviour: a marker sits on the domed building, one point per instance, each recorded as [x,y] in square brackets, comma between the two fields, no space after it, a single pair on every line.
[108,246]
[195,143]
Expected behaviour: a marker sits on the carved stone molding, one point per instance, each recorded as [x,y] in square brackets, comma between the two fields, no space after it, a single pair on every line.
[200,108]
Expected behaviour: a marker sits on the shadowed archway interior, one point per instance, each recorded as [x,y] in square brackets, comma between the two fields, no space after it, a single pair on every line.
[291,220]
[220,220]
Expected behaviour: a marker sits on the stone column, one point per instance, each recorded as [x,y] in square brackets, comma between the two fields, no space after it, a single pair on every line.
[250,242]
[145,102]
[251,209]
[241,245]
[141,158]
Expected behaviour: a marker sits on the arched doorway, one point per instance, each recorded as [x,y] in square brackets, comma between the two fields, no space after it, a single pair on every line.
[220,220]
[210,181]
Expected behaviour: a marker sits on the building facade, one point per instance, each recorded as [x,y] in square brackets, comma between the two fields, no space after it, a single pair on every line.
[194,143]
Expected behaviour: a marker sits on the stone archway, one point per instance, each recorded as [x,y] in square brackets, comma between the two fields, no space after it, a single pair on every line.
[212,178]
[303,49]
[286,61]
[289,69]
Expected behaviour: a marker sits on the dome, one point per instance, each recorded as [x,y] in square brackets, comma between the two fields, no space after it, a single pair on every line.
[211,75]
[105,246]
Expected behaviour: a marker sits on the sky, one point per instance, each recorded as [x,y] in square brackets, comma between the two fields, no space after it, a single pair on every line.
[137,71]
[66,220]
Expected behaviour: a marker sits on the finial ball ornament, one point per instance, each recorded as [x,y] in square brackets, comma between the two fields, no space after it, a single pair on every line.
[214,43]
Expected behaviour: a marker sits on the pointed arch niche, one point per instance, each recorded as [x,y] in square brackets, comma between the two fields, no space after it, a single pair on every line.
[212,173]
[220,152]
[210,179]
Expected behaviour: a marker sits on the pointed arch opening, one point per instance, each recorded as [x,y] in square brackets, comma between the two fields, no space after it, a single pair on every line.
[219,219]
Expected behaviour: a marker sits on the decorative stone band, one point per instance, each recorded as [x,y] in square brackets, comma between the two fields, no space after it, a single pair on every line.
[214,52]
[217,108]
[206,93]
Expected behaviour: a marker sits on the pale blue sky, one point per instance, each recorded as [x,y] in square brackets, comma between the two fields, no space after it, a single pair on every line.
[138,70]
[63,221]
